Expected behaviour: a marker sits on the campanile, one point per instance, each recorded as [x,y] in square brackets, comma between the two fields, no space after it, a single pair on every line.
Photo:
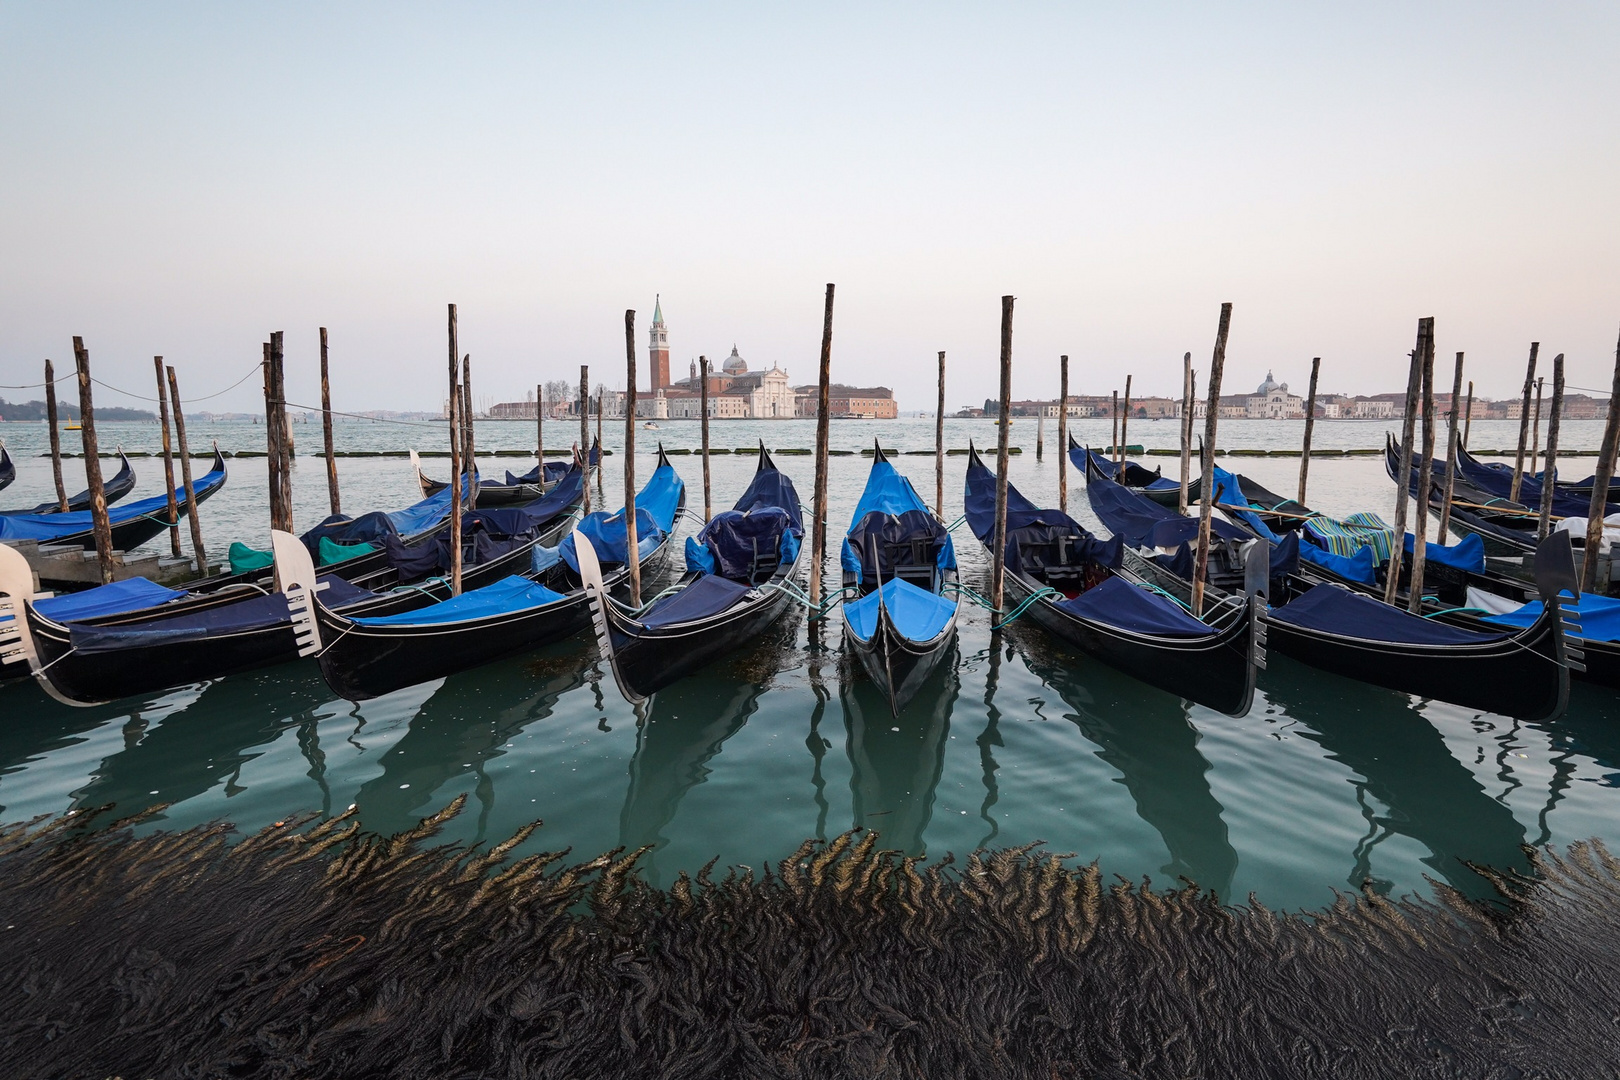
[658,348]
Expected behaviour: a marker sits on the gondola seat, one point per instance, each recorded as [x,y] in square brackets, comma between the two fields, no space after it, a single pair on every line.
[746,546]
[912,546]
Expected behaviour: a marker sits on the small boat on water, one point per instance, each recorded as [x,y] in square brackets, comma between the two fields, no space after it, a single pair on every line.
[367,656]
[516,489]
[118,640]
[1128,474]
[133,524]
[1069,578]
[121,484]
[898,562]
[8,468]
[732,590]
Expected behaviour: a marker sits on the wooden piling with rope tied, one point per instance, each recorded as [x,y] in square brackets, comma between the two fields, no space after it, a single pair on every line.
[168,458]
[818,526]
[100,524]
[185,475]
[333,498]
[1206,502]
[1310,427]
[998,554]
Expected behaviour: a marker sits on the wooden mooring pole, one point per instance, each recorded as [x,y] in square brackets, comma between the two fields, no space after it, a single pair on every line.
[1599,504]
[1063,435]
[469,452]
[585,422]
[56,437]
[599,396]
[1040,435]
[335,501]
[1468,415]
[1414,382]
[284,435]
[703,408]
[1187,410]
[540,431]
[939,444]
[1125,422]
[1535,427]
[998,554]
[1206,501]
[454,412]
[632,554]
[1113,438]
[1549,465]
[1453,440]
[818,527]
[1524,421]
[1420,534]
[272,450]
[1310,427]
[168,458]
[185,475]
[92,463]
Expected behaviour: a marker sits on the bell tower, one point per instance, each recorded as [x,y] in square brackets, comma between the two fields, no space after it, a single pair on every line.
[658,348]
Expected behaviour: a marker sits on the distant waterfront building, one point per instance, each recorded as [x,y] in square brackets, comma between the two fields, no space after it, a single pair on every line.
[876,402]
[658,349]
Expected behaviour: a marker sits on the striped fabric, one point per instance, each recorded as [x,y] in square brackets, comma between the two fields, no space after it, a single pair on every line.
[1353,533]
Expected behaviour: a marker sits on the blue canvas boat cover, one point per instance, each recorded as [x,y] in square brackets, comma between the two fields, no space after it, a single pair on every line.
[1116,602]
[656,505]
[1466,554]
[373,528]
[253,613]
[1135,475]
[729,542]
[554,470]
[114,599]
[47,527]
[1029,525]
[1358,567]
[916,613]
[1600,617]
[708,595]
[772,488]
[890,513]
[1347,536]
[1144,523]
[506,596]
[1336,610]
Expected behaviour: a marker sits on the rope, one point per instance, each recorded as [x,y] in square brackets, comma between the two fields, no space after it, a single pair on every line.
[1029,601]
[355,416]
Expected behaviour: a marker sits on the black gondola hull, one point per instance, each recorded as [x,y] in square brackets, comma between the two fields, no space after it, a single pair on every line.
[898,665]
[131,534]
[645,661]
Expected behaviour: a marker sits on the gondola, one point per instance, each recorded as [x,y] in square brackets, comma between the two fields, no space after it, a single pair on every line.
[516,489]
[133,524]
[86,657]
[731,592]
[8,468]
[898,562]
[1129,474]
[1496,478]
[1507,528]
[1523,674]
[121,484]
[1080,599]
[365,657]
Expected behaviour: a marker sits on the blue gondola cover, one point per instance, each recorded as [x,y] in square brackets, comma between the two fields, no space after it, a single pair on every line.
[115,599]
[1359,567]
[1599,616]
[255,613]
[1466,554]
[708,595]
[508,595]
[1116,602]
[916,613]
[1144,523]
[1336,610]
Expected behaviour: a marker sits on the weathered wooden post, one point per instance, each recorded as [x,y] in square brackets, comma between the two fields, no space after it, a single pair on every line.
[1535,428]
[326,433]
[939,444]
[703,408]
[1206,501]
[1113,449]
[1420,534]
[599,395]
[284,435]
[632,553]
[1187,410]
[1453,440]
[1599,505]
[1040,434]
[1524,421]
[56,437]
[272,451]
[1125,421]
[540,431]
[454,415]
[168,458]
[1468,415]
[1549,466]
[185,476]
[818,527]
[1310,426]
[92,463]
[1414,382]
[585,423]
[1063,435]
[998,555]
[469,452]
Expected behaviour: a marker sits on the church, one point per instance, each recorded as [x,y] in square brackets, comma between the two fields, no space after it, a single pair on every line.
[735,392]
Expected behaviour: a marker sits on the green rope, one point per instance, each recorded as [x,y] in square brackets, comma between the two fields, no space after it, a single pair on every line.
[1029,601]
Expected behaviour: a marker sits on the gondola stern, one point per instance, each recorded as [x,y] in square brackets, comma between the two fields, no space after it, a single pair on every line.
[590,576]
[296,578]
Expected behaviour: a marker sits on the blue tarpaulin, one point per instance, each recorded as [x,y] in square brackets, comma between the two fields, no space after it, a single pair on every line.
[1599,615]
[1116,602]
[508,595]
[1144,523]
[1335,609]
[708,595]
[114,599]
[764,522]
[1466,554]
[656,506]
[917,614]
[1028,525]
[1359,567]
[47,527]
[1135,475]
[890,513]
[253,613]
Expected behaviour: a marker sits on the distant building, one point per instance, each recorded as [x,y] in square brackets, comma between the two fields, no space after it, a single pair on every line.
[876,402]
[658,348]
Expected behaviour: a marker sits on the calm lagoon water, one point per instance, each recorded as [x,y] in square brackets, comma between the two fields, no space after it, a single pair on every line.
[1326,784]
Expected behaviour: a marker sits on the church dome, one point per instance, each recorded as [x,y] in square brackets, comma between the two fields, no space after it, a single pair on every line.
[735,364]
[1269,385]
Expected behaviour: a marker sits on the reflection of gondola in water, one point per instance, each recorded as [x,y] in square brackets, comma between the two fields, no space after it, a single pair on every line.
[1150,739]
[896,762]
[1403,762]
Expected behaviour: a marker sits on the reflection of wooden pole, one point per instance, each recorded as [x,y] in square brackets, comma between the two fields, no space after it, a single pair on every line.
[168,458]
[939,444]
[92,464]
[1206,502]
[455,460]
[998,554]
[1414,382]
[818,527]
[1063,435]
[1420,534]
[703,408]
[1468,415]
[326,433]
[1310,426]
[1549,474]
[1524,421]
[56,437]
[632,552]
[1125,421]
[1535,428]
[1187,410]
[1453,439]
[1599,505]
[185,475]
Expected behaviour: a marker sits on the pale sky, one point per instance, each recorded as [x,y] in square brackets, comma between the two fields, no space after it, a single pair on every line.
[184,179]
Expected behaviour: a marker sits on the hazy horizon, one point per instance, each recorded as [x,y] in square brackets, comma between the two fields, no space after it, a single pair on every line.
[183,180]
